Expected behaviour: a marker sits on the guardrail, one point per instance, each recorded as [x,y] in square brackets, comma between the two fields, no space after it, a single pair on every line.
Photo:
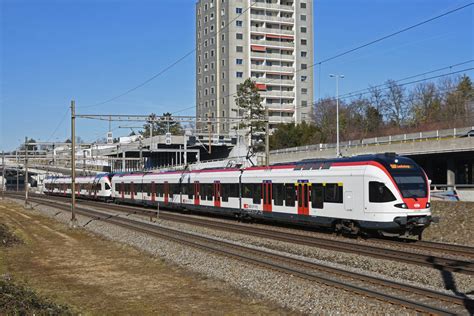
[399,138]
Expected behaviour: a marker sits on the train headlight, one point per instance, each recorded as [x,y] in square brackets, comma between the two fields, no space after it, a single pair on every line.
[401,205]
[428,205]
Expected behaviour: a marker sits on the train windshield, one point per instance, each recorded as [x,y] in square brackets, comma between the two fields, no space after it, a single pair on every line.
[410,180]
[411,185]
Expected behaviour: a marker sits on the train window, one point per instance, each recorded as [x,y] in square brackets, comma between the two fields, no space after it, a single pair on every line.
[159,189]
[290,194]
[379,193]
[247,189]
[257,193]
[317,195]
[234,190]
[278,193]
[107,186]
[225,190]
[190,190]
[333,193]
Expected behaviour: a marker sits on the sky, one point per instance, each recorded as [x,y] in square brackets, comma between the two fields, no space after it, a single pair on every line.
[55,51]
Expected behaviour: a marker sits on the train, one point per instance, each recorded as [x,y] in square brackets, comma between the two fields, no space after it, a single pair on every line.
[384,194]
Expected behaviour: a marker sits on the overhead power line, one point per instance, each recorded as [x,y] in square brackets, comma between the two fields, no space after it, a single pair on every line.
[167,67]
[407,78]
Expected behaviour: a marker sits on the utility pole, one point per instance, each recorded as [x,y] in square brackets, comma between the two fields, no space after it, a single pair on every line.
[3,175]
[209,130]
[337,76]
[26,172]
[141,153]
[83,162]
[267,138]
[73,164]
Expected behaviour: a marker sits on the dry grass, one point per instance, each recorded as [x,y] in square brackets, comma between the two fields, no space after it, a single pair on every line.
[96,276]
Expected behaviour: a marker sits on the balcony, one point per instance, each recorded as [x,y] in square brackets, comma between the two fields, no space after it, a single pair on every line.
[274,6]
[263,17]
[274,81]
[273,43]
[272,68]
[272,56]
[272,31]
[276,93]
[281,119]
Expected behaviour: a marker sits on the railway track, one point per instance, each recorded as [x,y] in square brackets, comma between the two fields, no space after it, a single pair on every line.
[439,263]
[416,298]
[432,261]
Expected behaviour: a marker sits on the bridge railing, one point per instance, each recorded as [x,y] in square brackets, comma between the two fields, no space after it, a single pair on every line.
[399,138]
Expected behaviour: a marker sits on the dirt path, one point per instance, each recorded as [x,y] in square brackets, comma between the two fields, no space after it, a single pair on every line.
[96,276]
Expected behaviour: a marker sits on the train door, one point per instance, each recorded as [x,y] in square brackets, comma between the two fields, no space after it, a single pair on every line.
[96,188]
[197,192]
[303,197]
[132,190]
[167,191]
[217,193]
[267,195]
[122,190]
[348,201]
[153,191]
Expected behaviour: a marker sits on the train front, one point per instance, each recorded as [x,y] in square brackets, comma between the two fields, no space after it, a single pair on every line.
[413,199]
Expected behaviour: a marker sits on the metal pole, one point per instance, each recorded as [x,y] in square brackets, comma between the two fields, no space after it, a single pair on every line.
[338,153]
[26,172]
[267,138]
[73,164]
[141,154]
[84,162]
[185,150]
[209,130]
[3,175]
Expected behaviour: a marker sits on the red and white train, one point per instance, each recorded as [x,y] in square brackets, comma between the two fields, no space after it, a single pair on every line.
[386,193]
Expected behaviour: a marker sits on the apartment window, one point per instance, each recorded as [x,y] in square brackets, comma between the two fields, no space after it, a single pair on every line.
[303,78]
[223,62]
[212,78]
[304,42]
[303,29]
[205,7]
[212,40]
[206,67]
[212,90]
[212,103]
[206,104]
[304,66]
[223,89]
[222,11]
[205,19]
[303,5]
[212,16]
[212,53]
[223,75]
[205,79]
[205,43]
[205,31]
[304,54]
[205,55]
[212,28]
[239,36]
[239,61]
[223,37]
[212,65]
[239,49]
[238,23]
[304,91]
[223,49]
[304,104]
[206,91]
[239,74]
[238,10]
[303,17]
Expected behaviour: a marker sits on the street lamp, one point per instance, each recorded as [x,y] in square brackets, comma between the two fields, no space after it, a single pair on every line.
[337,76]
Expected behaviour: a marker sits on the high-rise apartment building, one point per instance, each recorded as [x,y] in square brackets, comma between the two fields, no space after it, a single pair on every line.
[270,41]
